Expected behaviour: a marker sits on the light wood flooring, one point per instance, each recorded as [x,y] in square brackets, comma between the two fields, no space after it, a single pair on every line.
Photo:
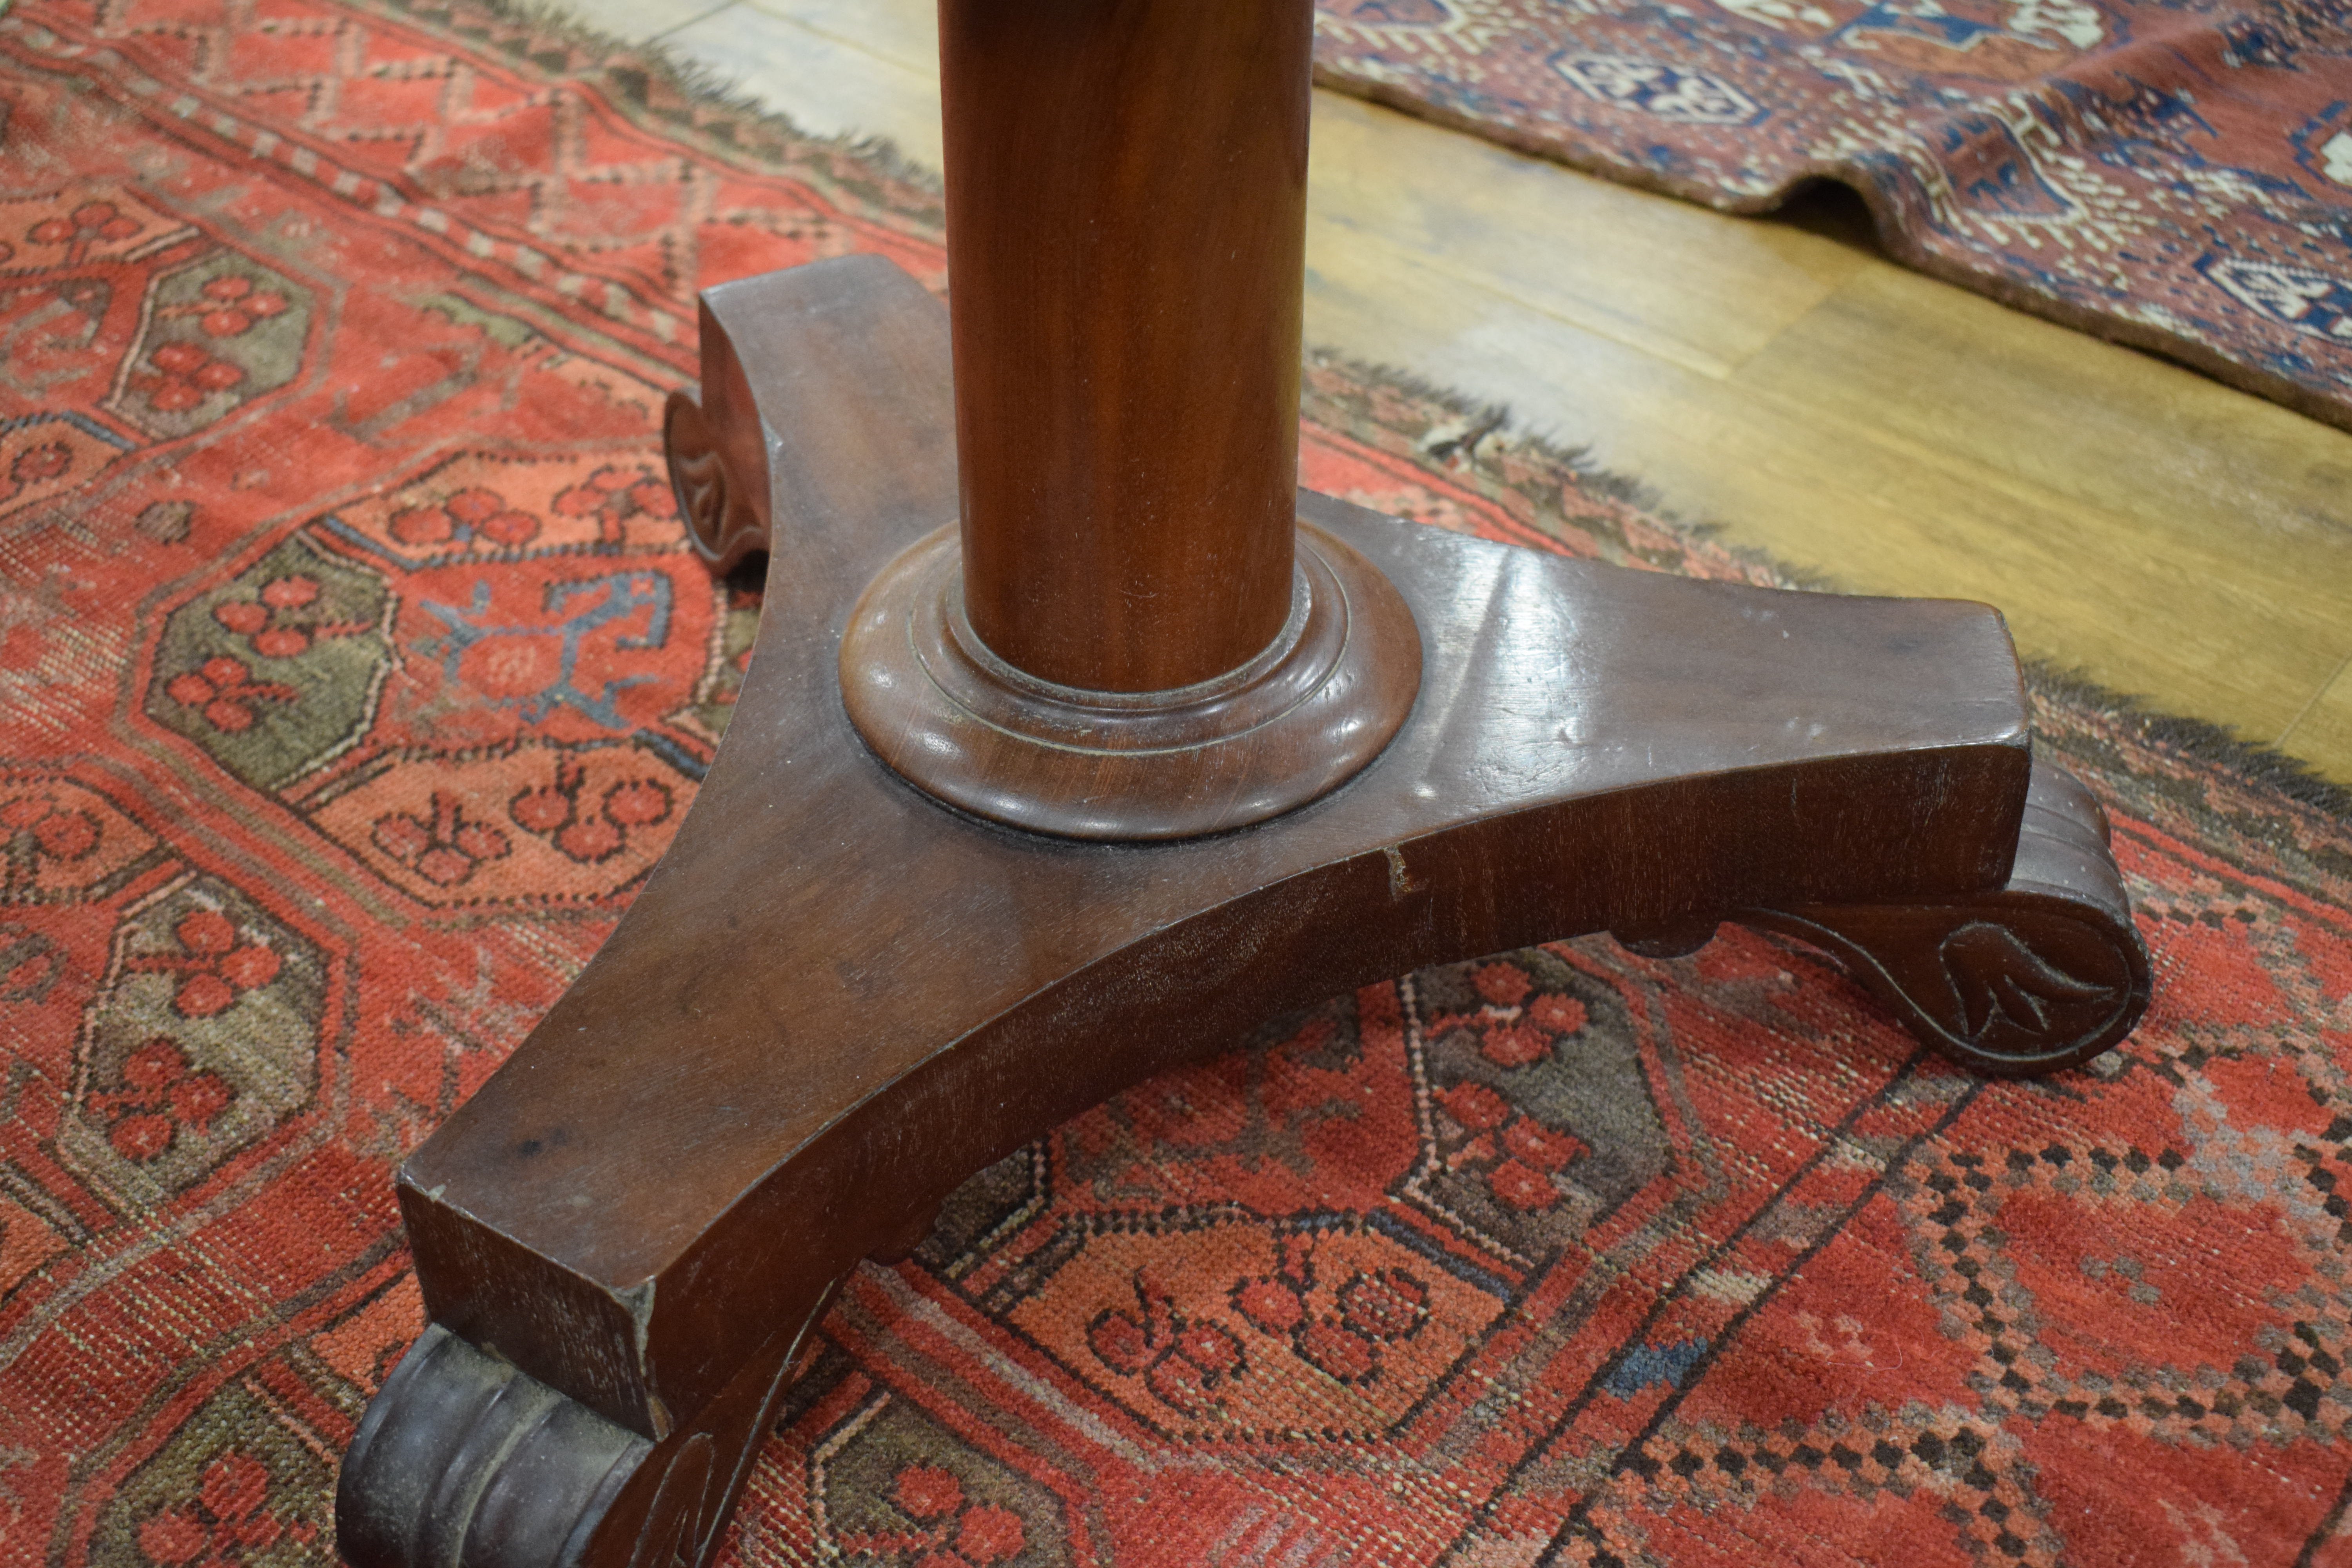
[2160,532]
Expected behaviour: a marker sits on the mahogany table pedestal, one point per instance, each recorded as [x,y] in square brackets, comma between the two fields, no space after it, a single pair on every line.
[1072,761]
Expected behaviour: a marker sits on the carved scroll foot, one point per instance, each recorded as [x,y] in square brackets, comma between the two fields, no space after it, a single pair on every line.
[2042,973]
[709,500]
[717,453]
[465,1460]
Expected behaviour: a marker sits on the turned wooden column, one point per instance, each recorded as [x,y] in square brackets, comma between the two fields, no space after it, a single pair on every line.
[1126,636]
[1127,221]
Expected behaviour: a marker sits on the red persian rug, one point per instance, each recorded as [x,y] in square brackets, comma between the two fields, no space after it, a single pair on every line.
[2175,174]
[354,675]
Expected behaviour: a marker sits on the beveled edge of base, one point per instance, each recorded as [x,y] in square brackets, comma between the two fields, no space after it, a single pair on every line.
[1289,727]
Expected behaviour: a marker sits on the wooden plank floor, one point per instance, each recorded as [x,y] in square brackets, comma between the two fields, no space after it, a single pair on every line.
[2160,532]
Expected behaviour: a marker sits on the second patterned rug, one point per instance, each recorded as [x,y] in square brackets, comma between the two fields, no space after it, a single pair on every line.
[2173,175]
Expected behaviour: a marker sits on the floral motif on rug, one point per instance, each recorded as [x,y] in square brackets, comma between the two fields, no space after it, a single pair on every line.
[353,673]
[2171,174]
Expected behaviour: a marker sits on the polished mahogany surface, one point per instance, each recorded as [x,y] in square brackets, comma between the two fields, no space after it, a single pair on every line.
[1124,637]
[836,997]
[1593,748]
[1127,220]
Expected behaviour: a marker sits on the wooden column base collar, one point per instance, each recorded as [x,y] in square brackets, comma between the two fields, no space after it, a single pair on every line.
[1292,724]
[835,999]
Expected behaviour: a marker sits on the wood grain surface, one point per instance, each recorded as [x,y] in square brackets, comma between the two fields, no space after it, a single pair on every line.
[1126,194]
[1594,748]
[834,999]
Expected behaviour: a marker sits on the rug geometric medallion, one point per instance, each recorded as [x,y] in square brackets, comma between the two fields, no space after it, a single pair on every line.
[353,674]
[2176,174]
